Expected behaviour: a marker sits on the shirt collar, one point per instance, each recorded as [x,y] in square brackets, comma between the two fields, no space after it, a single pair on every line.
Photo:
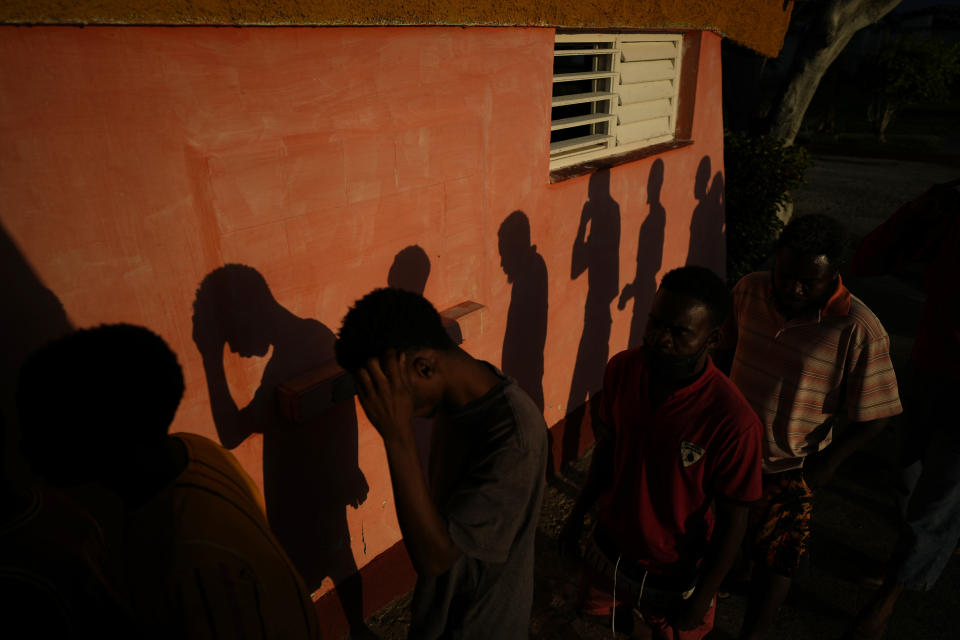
[839,302]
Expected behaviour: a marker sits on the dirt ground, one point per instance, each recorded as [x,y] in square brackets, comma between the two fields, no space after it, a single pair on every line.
[855,516]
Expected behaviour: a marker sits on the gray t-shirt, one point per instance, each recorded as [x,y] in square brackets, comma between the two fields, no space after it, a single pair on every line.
[488,469]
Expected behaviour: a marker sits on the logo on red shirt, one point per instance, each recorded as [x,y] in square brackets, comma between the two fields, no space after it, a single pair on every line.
[690,453]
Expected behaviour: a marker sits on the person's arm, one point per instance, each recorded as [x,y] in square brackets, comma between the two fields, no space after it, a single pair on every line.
[872,398]
[599,479]
[579,259]
[233,425]
[736,483]
[629,291]
[388,403]
[727,537]
[819,467]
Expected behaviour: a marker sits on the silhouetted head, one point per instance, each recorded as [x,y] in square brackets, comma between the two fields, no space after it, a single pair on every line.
[94,398]
[807,263]
[655,181]
[599,187]
[514,243]
[405,322]
[688,311]
[702,181]
[410,270]
[236,301]
[716,187]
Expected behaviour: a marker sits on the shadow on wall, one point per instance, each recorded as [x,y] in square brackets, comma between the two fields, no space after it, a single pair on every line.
[526,333]
[649,258]
[707,242]
[596,251]
[310,470]
[32,316]
[410,270]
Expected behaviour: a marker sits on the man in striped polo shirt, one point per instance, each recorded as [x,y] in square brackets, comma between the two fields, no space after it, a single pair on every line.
[809,355]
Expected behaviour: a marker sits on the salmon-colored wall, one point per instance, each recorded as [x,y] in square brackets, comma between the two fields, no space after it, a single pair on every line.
[136,160]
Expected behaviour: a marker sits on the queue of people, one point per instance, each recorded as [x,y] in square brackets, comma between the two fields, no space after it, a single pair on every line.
[712,440]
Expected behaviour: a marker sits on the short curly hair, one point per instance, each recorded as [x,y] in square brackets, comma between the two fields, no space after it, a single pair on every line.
[117,382]
[389,318]
[815,235]
[701,284]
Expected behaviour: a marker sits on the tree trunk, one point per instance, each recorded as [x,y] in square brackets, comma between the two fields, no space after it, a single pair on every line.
[885,117]
[827,36]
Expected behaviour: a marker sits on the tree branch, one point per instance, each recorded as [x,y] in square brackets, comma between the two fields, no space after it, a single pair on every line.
[824,39]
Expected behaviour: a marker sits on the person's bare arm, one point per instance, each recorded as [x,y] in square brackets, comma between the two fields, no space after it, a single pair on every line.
[579,260]
[599,479]
[233,424]
[388,403]
[730,528]
[819,467]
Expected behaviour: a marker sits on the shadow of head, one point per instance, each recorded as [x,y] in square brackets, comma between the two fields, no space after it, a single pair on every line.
[96,401]
[410,270]
[655,181]
[702,180]
[234,306]
[514,243]
[599,188]
[716,187]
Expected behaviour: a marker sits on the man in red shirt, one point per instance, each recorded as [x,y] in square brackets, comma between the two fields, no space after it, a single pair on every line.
[676,441]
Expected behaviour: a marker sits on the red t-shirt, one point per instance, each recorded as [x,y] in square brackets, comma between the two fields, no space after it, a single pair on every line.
[703,442]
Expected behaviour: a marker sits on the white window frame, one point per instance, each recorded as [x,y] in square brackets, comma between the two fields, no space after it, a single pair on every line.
[640,107]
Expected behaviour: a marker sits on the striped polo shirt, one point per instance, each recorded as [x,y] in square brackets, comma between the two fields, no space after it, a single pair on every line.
[801,375]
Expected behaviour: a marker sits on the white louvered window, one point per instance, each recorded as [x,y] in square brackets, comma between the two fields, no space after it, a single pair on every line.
[612,93]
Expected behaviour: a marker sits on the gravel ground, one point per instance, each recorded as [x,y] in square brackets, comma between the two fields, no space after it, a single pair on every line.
[855,515]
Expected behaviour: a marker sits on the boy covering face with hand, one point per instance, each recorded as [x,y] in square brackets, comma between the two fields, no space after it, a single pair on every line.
[470,531]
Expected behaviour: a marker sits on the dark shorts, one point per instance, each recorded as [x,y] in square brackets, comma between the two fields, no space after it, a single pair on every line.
[780,522]
[657,600]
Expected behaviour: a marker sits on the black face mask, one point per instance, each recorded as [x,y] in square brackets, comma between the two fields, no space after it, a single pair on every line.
[671,367]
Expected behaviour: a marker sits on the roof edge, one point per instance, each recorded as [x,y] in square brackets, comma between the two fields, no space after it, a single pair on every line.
[757,24]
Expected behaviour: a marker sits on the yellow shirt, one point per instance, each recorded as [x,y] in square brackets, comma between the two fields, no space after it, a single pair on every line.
[201,561]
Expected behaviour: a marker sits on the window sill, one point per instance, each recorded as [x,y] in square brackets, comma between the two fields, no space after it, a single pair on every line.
[608,162]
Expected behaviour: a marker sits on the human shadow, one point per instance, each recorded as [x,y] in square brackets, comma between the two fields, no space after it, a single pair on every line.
[526,333]
[32,316]
[649,258]
[596,251]
[410,270]
[707,246]
[310,469]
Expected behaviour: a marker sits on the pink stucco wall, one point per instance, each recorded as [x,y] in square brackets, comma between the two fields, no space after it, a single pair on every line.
[134,161]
